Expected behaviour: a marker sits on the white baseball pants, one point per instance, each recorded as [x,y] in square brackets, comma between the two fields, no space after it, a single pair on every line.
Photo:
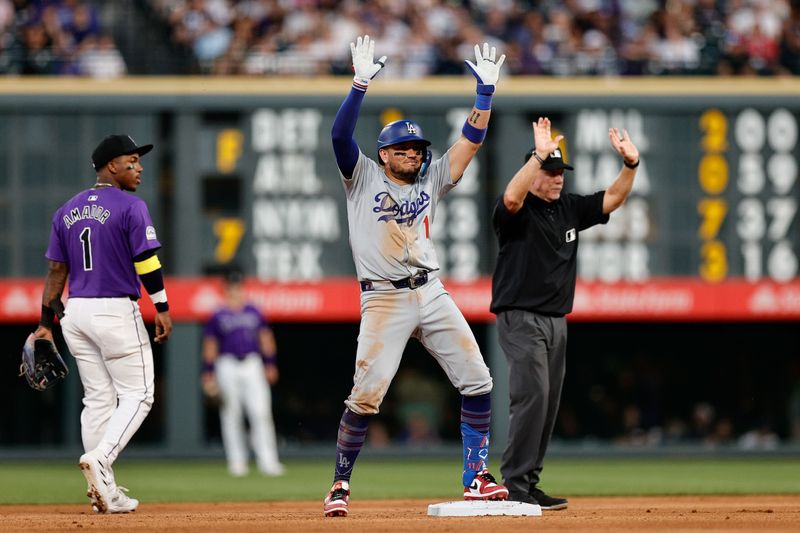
[110,344]
[244,390]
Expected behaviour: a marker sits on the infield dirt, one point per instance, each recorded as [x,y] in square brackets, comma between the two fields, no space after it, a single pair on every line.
[682,513]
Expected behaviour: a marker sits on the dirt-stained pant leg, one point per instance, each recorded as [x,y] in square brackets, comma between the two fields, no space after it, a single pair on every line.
[387,320]
[446,334]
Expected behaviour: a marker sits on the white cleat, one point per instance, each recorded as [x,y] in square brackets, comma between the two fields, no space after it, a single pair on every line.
[100,481]
[121,503]
[105,495]
[273,470]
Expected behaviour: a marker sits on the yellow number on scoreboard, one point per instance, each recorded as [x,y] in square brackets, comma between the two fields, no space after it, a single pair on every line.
[713,173]
[715,126]
[229,149]
[229,231]
[712,212]
[714,263]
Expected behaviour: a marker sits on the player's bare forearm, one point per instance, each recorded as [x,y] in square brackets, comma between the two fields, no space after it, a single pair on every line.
[463,150]
[163,327]
[54,285]
[55,282]
[271,373]
[210,350]
[267,340]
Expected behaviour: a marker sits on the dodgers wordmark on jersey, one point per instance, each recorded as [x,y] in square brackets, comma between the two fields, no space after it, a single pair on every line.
[390,224]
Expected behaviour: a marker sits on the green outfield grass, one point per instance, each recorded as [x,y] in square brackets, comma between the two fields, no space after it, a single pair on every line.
[162,481]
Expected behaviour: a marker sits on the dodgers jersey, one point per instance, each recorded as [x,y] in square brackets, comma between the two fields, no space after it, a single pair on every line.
[390,224]
[237,331]
[97,233]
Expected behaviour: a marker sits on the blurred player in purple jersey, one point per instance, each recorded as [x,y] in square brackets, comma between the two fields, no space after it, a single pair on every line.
[239,359]
[103,241]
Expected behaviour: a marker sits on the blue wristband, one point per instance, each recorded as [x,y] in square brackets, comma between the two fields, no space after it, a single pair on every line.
[483,102]
[485,89]
[473,134]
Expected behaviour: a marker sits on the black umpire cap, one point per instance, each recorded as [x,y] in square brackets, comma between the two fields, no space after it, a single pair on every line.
[555,161]
[115,146]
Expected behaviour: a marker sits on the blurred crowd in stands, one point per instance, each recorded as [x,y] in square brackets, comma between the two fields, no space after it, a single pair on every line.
[56,37]
[421,37]
[547,37]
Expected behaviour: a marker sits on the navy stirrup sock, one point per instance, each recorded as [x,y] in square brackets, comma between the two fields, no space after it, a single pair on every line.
[351,437]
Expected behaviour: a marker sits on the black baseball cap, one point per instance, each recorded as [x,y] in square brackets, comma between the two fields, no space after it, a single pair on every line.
[234,276]
[555,161]
[115,146]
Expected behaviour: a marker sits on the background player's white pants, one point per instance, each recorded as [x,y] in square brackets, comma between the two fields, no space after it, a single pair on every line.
[111,346]
[389,318]
[244,387]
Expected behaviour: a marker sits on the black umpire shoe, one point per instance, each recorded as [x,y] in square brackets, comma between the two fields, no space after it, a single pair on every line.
[547,502]
[519,496]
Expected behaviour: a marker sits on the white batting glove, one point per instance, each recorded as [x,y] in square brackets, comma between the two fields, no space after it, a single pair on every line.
[485,68]
[363,51]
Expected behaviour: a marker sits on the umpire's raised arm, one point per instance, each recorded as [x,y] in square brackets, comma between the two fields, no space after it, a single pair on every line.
[619,190]
[522,182]
[345,147]
[486,70]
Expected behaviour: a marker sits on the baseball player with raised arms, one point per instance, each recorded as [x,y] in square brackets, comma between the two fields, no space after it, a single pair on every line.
[103,239]
[390,208]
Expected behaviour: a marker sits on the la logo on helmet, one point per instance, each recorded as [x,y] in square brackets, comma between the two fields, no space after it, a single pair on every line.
[411,129]
[556,153]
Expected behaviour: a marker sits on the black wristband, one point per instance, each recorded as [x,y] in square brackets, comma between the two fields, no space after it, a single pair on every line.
[48,316]
[629,165]
[162,307]
[538,158]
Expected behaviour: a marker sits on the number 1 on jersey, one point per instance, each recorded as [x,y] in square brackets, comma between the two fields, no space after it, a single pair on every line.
[427,227]
[86,243]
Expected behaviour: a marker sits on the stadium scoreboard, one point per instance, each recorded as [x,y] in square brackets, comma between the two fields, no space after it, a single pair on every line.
[715,195]
[709,231]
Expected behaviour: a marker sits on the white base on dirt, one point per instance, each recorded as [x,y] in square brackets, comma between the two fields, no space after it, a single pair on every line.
[484,508]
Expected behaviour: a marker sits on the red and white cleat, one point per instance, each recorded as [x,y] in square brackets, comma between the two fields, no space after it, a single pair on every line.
[337,499]
[484,487]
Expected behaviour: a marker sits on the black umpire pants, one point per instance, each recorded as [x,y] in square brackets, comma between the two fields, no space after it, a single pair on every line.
[535,347]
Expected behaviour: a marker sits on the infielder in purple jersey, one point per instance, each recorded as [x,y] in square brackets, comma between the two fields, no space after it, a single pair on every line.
[240,363]
[104,241]
[390,208]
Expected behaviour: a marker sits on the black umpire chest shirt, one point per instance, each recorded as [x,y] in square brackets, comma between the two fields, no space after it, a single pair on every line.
[537,261]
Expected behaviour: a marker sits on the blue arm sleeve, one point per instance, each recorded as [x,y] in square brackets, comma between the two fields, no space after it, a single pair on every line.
[345,147]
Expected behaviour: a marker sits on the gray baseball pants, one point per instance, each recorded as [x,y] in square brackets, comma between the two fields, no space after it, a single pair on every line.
[535,347]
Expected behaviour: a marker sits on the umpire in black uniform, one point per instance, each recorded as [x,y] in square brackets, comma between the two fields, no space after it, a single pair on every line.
[533,289]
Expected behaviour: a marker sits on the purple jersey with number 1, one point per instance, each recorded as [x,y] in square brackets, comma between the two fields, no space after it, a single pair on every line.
[97,233]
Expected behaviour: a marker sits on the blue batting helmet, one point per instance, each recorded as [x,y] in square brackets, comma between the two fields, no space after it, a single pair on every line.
[401,131]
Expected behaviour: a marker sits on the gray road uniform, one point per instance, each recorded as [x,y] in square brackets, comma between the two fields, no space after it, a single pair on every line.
[401,294]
